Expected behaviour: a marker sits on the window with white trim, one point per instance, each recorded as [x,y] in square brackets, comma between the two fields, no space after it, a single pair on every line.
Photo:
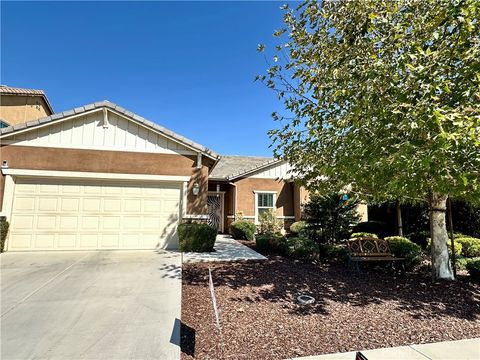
[265,202]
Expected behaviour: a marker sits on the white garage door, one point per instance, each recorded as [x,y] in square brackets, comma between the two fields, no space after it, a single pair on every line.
[83,214]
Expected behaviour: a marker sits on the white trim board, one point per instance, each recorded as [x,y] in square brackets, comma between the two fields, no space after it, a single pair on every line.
[94,175]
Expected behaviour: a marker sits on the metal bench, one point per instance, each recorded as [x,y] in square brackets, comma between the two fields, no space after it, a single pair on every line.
[369,249]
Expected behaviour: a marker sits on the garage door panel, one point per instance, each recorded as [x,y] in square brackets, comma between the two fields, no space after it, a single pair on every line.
[111,222]
[24,204]
[22,222]
[71,214]
[88,241]
[48,204]
[68,223]
[133,205]
[21,241]
[45,241]
[110,241]
[92,204]
[131,222]
[70,204]
[112,205]
[46,222]
[49,188]
[25,188]
[66,241]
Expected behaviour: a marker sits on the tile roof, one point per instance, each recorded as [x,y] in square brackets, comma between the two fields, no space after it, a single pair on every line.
[8,90]
[118,109]
[233,166]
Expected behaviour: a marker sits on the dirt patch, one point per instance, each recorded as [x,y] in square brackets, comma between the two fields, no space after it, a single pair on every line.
[261,319]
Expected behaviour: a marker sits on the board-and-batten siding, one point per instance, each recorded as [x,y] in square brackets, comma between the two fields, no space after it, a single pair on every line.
[278,171]
[88,132]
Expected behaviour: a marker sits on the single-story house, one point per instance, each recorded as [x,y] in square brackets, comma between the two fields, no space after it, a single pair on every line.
[101,177]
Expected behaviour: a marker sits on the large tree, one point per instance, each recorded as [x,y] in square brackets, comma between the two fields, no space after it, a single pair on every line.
[383,97]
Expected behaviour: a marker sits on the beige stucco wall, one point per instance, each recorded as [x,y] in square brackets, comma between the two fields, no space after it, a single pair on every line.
[16,109]
[42,158]
[246,195]
[362,210]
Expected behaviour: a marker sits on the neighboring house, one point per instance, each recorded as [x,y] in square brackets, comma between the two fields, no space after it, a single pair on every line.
[102,177]
[21,105]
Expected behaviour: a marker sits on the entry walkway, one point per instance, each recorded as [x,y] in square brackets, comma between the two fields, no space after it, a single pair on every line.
[226,249]
[468,349]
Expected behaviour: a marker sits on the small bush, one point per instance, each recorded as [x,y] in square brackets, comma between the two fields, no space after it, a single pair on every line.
[473,267]
[336,252]
[363,234]
[242,230]
[403,248]
[302,247]
[269,224]
[470,246]
[419,238]
[196,237]
[4,225]
[461,262]
[375,227]
[298,227]
[271,243]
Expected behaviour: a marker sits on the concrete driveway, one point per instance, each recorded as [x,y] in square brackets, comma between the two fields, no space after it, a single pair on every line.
[90,305]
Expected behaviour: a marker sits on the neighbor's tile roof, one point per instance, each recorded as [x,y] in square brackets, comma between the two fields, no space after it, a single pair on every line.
[232,166]
[5,89]
[8,90]
[118,109]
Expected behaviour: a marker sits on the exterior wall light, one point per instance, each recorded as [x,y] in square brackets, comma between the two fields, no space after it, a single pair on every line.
[218,190]
[196,189]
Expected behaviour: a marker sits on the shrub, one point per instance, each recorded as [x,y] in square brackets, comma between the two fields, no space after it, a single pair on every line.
[470,246]
[375,227]
[242,230]
[336,252]
[302,247]
[473,267]
[271,243]
[330,217]
[404,248]
[3,231]
[196,237]
[298,227]
[269,224]
[363,234]
[419,238]
[461,262]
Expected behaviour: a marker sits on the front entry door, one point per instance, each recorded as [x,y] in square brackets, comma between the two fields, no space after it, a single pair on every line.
[215,211]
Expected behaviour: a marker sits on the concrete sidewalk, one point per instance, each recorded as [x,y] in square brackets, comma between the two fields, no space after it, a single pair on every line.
[226,249]
[468,349]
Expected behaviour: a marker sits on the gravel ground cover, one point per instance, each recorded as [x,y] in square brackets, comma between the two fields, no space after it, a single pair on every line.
[261,319]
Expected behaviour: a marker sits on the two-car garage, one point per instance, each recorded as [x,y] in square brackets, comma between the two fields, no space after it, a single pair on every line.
[83,214]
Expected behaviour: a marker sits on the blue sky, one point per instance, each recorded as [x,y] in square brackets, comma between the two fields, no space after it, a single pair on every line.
[188,66]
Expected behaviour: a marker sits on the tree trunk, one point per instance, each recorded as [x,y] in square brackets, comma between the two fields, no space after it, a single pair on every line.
[399,220]
[441,267]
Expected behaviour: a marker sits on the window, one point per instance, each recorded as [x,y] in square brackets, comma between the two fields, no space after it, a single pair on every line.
[265,201]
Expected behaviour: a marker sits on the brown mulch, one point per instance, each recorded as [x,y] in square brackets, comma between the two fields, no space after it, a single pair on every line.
[260,318]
